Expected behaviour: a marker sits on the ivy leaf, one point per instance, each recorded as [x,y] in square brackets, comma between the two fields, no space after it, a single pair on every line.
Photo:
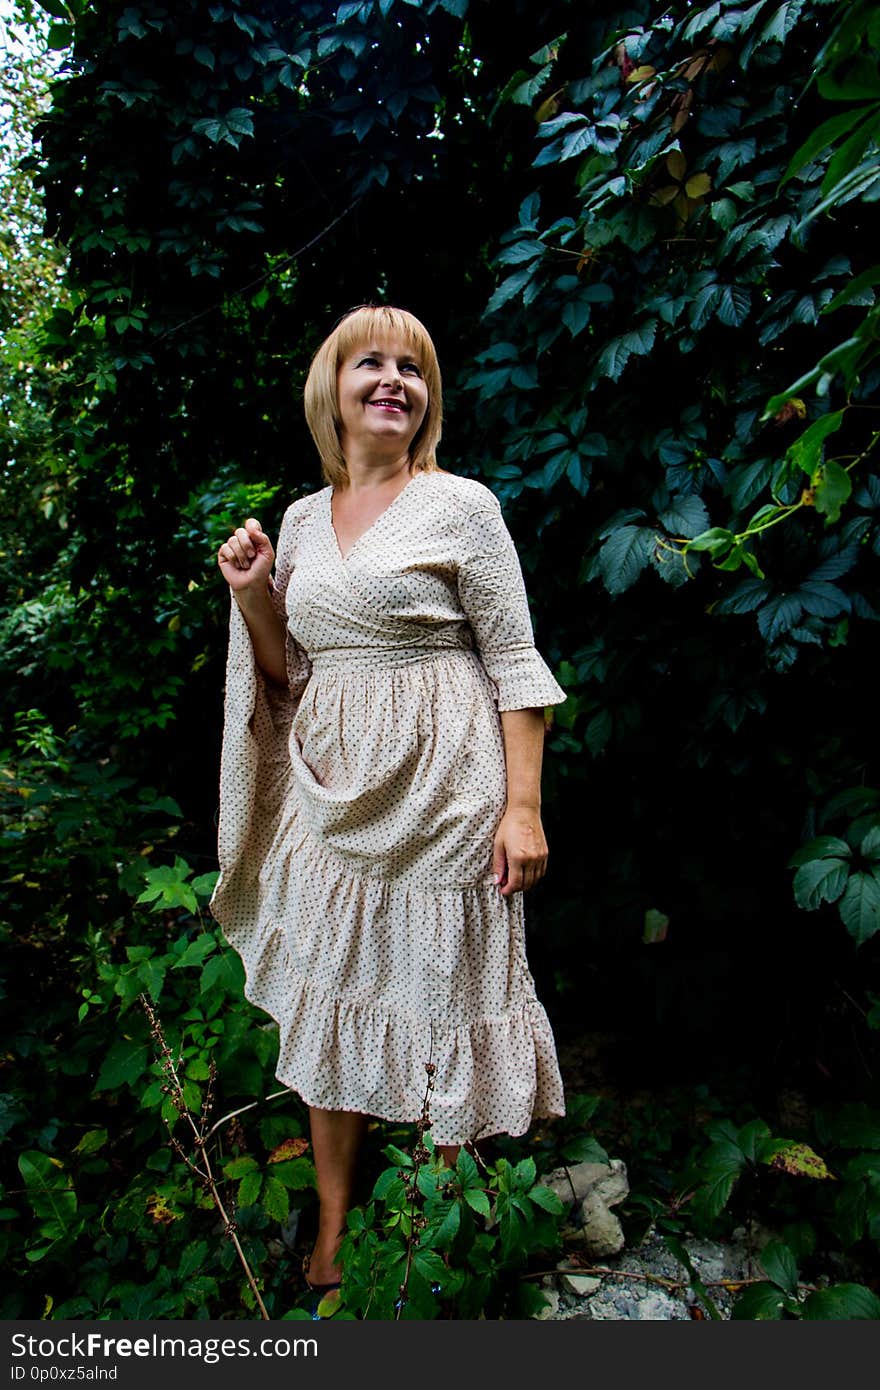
[780,1266]
[623,557]
[617,353]
[238,1167]
[734,305]
[825,846]
[870,846]
[249,1188]
[759,1303]
[778,615]
[224,970]
[820,880]
[841,1303]
[860,906]
[545,1198]
[685,516]
[123,1065]
[275,1200]
[477,1200]
[832,487]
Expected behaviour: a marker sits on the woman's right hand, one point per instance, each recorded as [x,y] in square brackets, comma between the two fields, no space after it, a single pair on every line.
[246,559]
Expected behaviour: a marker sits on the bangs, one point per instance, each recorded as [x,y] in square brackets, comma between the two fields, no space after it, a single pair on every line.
[378,324]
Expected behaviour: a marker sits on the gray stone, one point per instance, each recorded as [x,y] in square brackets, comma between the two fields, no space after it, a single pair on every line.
[580,1284]
[658,1306]
[607,1180]
[602,1232]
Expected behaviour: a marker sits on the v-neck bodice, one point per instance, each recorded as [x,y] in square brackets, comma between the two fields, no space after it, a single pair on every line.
[373,524]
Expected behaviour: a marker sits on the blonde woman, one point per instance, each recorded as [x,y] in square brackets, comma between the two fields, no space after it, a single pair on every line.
[380,787]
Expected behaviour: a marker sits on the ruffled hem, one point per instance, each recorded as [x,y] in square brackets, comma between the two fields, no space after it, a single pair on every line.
[385,1054]
[495,1070]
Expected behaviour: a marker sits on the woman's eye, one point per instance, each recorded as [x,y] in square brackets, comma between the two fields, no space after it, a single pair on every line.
[410,367]
[369,362]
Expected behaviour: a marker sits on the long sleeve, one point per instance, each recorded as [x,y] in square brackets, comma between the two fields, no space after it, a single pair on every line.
[493,597]
[255,762]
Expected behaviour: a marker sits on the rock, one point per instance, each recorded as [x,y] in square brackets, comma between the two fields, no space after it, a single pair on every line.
[607,1180]
[658,1306]
[596,1187]
[580,1284]
[602,1232]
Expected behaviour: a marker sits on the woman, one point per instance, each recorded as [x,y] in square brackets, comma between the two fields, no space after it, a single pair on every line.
[380,783]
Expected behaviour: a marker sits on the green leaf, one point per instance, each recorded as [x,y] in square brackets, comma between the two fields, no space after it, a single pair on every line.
[823,136]
[584,1149]
[623,557]
[196,951]
[832,487]
[778,615]
[60,36]
[860,906]
[854,289]
[820,880]
[870,846]
[717,541]
[249,1189]
[842,1302]
[825,846]
[860,79]
[545,1198]
[477,1200]
[734,305]
[806,451]
[123,1065]
[275,1200]
[617,353]
[447,1229]
[49,1190]
[238,1167]
[780,1266]
[759,1303]
[91,1142]
[192,1258]
[225,971]
[685,516]
[466,1170]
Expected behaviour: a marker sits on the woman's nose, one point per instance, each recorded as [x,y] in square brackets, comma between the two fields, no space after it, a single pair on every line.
[391,375]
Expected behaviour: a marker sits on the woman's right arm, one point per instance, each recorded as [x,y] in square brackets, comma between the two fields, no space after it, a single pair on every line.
[245,562]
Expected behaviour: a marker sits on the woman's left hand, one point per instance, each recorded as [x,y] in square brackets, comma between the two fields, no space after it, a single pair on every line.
[520,854]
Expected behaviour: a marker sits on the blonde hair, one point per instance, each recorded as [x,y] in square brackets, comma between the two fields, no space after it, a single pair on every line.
[364,324]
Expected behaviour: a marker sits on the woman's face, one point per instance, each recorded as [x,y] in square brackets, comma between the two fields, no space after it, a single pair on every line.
[382,397]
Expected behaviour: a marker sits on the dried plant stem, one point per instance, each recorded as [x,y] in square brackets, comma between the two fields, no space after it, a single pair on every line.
[242,1109]
[201,1165]
[420,1157]
[732,1285]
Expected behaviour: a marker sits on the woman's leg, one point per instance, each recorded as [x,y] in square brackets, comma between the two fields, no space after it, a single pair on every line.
[336,1143]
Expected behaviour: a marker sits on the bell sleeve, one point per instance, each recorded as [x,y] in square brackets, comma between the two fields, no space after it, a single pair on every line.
[255,763]
[493,598]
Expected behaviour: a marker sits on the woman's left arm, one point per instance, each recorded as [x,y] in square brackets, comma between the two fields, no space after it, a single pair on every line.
[520,852]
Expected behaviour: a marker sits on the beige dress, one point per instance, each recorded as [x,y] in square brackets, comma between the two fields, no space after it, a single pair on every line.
[357,816]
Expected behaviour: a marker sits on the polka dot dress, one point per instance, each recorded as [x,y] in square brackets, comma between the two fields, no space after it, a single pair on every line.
[357,814]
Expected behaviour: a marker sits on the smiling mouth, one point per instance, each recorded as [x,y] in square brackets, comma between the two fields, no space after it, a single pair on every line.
[389,405]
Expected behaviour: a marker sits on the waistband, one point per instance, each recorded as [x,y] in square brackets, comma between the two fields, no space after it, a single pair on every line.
[344,659]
